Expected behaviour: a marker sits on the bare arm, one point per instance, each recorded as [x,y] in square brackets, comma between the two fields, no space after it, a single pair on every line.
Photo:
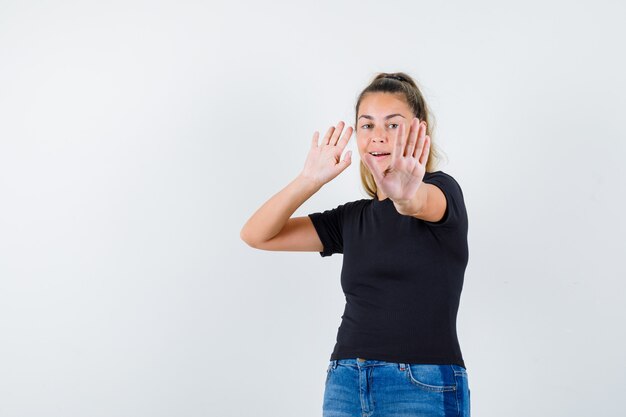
[429,203]
[271,227]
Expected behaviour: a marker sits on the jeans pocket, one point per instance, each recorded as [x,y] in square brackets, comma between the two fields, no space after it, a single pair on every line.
[434,378]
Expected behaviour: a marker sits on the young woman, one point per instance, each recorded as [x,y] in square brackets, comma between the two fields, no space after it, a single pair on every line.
[404,258]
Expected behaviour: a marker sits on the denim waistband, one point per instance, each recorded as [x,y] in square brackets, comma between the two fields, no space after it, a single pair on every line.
[362,363]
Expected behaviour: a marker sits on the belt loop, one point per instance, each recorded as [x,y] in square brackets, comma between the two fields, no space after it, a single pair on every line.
[334,363]
[402,366]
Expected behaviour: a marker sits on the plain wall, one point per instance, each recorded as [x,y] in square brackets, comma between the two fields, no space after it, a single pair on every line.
[137,137]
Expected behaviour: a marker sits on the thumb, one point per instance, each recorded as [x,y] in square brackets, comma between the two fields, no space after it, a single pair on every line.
[370,163]
[347,160]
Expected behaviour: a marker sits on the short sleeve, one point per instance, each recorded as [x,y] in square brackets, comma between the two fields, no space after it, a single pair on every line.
[329,227]
[455,214]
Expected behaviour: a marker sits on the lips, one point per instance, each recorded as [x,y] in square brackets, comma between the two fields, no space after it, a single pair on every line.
[379,155]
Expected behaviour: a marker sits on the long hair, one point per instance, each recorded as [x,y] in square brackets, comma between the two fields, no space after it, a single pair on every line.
[399,83]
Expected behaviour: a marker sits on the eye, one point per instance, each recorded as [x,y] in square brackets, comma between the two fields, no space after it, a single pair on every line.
[393,124]
[365,126]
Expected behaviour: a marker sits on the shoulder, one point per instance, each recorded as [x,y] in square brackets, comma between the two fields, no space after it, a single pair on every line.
[345,208]
[439,176]
[351,205]
[442,180]
[455,212]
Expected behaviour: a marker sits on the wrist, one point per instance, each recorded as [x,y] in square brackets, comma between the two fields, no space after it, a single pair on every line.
[405,207]
[308,182]
[410,206]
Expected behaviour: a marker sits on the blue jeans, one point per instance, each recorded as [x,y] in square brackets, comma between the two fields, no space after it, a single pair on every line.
[363,388]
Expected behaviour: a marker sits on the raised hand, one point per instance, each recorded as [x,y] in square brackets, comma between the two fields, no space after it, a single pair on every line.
[323,162]
[404,175]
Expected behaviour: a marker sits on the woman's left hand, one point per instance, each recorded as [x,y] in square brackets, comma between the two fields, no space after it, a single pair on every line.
[404,175]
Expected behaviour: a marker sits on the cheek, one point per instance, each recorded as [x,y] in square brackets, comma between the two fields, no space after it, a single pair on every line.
[361,143]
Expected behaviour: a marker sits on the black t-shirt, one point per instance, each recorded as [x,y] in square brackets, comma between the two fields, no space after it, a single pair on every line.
[402,277]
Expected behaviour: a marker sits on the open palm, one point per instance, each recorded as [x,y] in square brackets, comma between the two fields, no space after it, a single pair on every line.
[323,163]
[404,175]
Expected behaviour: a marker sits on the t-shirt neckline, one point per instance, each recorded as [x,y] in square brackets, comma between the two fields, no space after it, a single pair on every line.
[385,201]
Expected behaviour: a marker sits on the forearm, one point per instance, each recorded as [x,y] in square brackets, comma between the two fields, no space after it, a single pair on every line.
[272,216]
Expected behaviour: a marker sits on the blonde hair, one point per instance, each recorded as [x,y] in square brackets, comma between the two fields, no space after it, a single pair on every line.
[399,83]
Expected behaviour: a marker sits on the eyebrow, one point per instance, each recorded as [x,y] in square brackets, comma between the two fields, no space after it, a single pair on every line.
[367,116]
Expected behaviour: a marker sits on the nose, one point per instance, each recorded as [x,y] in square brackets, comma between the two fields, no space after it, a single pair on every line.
[379,135]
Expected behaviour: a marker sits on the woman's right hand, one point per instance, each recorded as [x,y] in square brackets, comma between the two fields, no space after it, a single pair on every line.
[324,160]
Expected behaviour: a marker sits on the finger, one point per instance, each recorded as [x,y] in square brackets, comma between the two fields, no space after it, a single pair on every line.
[347,160]
[420,142]
[316,137]
[345,138]
[412,139]
[329,132]
[400,142]
[424,156]
[336,134]
[397,152]
[370,163]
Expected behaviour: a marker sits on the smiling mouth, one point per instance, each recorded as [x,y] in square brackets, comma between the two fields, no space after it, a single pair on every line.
[379,155]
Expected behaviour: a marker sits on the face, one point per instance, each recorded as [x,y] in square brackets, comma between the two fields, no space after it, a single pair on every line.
[380,115]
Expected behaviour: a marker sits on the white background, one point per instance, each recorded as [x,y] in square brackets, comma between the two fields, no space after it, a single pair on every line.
[137,137]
